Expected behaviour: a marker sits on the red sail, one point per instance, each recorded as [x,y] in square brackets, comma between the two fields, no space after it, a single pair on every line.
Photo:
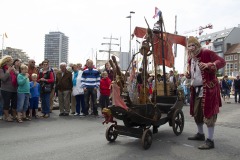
[169,40]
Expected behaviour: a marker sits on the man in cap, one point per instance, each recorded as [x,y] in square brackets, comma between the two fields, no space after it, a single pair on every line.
[205,91]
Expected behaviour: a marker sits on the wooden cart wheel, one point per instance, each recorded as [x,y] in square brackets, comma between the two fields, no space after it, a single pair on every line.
[147,139]
[178,122]
[111,134]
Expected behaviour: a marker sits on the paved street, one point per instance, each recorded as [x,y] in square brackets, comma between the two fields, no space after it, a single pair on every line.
[75,138]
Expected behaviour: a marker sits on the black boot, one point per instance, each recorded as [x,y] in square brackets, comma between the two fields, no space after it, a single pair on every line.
[209,144]
[197,137]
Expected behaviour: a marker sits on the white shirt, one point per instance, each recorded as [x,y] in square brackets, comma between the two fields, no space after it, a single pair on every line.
[196,76]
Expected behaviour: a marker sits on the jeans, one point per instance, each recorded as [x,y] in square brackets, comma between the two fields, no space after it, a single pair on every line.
[34,103]
[45,103]
[80,99]
[93,93]
[237,92]
[23,101]
[226,92]
[1,108]
[104,101]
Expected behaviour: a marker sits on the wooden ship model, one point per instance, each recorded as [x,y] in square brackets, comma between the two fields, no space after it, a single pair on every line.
[141,114]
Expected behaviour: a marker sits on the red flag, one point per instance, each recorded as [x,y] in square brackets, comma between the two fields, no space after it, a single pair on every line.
[157,12]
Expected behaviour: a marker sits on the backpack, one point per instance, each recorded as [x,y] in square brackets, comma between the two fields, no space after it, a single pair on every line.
[46,87]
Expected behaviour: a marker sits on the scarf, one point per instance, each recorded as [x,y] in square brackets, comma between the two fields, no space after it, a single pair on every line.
[12,75]
[75,74]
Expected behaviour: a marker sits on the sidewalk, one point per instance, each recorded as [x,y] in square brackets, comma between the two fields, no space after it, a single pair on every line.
[231,100]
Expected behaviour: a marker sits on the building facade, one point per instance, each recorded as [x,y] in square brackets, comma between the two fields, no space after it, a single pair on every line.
[220,42]
[15,54]
[56,48]
[232,60]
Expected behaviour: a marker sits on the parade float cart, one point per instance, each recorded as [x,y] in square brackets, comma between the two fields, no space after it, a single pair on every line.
[143,115]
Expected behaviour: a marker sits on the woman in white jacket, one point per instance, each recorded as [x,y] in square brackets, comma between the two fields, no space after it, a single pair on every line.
[77,91]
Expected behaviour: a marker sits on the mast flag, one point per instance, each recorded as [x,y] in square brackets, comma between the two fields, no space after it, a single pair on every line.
[157,12]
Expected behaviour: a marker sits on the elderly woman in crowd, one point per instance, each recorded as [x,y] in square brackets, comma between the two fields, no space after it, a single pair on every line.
[8,76]
[46,77]
[77,90]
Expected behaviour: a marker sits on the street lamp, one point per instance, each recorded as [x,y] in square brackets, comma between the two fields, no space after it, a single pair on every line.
[130,17]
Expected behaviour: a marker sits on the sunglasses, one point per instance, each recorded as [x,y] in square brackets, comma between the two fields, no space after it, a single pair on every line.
[193,45]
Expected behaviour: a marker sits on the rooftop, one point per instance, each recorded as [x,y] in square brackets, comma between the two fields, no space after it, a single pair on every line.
[216,35]
[235,48]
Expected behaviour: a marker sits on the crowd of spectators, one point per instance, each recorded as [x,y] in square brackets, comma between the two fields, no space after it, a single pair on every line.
[29,91]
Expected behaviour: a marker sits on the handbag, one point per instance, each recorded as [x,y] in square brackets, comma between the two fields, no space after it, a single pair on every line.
[47,88]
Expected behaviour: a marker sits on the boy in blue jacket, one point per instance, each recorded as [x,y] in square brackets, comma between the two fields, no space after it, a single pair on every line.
[34,95]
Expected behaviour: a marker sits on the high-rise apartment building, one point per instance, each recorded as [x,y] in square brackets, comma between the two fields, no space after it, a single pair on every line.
[56,48]
[15,53]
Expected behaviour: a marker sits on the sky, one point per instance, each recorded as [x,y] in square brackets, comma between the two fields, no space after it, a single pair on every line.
[87,22]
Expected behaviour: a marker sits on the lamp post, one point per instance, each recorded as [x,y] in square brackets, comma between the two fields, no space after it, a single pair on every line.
[130,17]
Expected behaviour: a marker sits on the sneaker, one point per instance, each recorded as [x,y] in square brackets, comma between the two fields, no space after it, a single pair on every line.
[8,119]
[76,114]
[37,116]
[197,137]
[61,114]
[42,116]
[26,119]
[46,116]
[65,114]
[73,113]
[82,115]
[209,144]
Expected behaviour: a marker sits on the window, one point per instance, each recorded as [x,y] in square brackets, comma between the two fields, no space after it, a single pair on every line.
[218,48]
[219,40]
[226,58]
[235,66]
[235,57]
[229,68]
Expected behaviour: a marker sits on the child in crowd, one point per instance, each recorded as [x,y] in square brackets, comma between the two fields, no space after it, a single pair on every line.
[105,84]
[23,92]
[34,95]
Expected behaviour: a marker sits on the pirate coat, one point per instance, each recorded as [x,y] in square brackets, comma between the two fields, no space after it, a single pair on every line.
[211,99]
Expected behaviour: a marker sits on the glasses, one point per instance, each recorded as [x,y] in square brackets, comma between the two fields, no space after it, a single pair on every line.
[193,45]
[32,62]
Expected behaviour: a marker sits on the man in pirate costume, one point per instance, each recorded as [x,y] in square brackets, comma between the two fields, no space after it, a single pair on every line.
[205,91]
